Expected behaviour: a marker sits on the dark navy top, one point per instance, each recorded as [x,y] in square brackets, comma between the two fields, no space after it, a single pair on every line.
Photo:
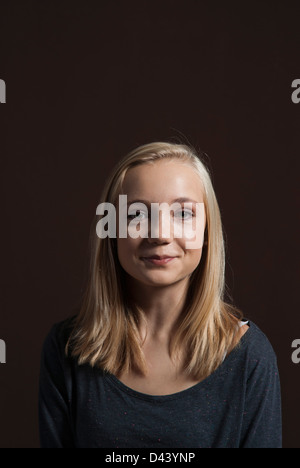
[237,406]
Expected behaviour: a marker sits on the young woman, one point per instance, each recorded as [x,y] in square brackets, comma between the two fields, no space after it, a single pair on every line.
[155,356]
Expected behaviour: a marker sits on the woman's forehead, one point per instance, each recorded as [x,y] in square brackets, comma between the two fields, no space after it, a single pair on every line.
[168,179]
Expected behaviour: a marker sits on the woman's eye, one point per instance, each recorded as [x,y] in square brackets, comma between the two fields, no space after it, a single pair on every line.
[184,214]
[137,215]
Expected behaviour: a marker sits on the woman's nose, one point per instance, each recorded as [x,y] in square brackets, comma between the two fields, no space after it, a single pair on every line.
[161,227]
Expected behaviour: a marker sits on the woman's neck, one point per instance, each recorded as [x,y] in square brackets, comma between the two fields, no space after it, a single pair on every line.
[162,305]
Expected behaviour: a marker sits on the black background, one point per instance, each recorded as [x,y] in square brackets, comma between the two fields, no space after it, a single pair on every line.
[87,81]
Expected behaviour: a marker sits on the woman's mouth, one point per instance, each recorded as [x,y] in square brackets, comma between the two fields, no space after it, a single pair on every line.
[158,260]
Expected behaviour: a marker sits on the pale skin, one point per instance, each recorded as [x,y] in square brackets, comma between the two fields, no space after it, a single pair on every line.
[160,289]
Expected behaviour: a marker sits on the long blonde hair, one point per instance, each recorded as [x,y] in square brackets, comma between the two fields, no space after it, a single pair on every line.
[106,329]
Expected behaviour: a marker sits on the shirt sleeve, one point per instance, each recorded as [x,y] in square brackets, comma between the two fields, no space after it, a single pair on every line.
[262,422]
[54,414]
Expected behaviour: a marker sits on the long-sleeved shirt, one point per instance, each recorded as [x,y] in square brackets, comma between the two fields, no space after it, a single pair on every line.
[237,406]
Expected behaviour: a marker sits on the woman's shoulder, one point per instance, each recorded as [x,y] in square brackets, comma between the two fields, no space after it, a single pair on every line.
[58,336]
[257,346]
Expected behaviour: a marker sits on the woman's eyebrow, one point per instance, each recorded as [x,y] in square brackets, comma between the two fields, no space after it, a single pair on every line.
[177,200]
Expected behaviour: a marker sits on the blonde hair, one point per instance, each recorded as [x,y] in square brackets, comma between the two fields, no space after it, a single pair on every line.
[106,329]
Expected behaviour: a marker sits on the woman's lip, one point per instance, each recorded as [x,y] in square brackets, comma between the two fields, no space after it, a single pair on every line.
[158,260]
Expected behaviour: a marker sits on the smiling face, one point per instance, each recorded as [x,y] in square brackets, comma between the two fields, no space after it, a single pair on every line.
[164,258]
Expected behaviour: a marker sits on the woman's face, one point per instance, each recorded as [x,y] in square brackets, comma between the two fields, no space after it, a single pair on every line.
[161,258]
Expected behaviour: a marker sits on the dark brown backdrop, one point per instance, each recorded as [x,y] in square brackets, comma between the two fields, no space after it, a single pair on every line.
[87,82]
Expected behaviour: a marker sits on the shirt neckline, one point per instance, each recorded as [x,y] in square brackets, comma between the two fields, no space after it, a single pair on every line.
[190,390]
